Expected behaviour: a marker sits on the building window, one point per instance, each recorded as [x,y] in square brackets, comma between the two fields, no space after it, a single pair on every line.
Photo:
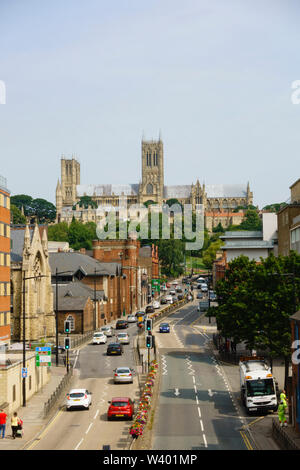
[149,189]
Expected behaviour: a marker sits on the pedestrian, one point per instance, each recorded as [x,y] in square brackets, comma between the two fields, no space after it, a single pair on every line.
[283,396]
[15,422]
[281,413]
[3,417]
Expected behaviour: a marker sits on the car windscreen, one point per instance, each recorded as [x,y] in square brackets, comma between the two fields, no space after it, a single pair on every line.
[120,403]
[122,335]
[123,371]
[164,325]
[260,387]
[114,345]
[98,335]
[76,395]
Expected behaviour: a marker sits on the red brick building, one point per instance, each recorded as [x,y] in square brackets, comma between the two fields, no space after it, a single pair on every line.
[5,326]
[133,292]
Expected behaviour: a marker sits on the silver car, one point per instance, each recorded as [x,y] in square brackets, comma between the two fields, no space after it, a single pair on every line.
[123,338]
[107,330]
[123,375]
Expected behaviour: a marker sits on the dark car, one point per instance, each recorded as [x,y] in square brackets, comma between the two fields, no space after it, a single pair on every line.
[163,301]
[115,349]
[150,309]
[199,295]
[121,324]
[164,328]
[180,296]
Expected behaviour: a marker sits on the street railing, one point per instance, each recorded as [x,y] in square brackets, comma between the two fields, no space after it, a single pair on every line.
[57,393]
[282,438]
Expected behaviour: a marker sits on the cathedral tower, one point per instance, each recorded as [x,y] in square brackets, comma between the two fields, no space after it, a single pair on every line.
[152,185]
[70,178]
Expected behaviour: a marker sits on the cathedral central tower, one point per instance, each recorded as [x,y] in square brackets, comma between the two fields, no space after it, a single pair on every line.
[152,185]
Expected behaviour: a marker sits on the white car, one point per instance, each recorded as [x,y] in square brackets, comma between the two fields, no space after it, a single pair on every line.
[131,318]
[99,338]
[78,398]
[107,330]
[123,338]
[169,299]
[172,292]
[204,288]
[156,304]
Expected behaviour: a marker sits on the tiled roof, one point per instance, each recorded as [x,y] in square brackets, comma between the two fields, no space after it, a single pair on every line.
[73,296]
[73,261]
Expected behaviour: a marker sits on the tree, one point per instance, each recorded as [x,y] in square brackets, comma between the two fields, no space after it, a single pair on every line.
[43,210]
[58,232]
[86,201]
[275,207]
[256,301]
[219,228]
[252,221]
[209,255]
[16,215]
[171,255]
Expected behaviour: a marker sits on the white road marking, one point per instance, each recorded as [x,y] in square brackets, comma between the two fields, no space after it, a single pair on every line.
[79,444]
[204,438]
[199,412]
[201,424]
[89,428]
[97,412]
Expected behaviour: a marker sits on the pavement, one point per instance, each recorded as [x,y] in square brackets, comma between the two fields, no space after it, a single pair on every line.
[259,428]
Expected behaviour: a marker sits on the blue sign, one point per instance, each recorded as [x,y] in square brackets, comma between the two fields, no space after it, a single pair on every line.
[24,372]
[43,349]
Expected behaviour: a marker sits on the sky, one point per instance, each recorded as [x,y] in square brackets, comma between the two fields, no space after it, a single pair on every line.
[90,78]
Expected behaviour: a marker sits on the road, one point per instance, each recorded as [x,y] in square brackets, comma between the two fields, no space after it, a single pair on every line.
[196,409]
[89,429]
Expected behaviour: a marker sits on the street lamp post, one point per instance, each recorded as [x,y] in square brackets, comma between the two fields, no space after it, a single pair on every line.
[24,333]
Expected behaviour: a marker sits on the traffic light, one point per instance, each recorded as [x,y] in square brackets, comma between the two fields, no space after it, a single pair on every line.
[67,326]
[148,324]
[67,343]
[149,341]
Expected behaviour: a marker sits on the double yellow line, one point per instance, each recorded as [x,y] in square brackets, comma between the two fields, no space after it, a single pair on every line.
[246,440]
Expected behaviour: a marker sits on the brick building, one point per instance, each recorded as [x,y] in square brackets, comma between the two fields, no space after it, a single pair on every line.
[5,326]
[126,252]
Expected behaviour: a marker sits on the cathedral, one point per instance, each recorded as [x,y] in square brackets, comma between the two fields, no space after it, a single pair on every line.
[219,201]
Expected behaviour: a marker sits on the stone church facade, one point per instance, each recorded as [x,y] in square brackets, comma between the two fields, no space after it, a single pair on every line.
[30,259]
[216,199]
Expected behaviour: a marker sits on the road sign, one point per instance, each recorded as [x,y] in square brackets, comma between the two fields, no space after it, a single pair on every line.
[24,372]
[43,356]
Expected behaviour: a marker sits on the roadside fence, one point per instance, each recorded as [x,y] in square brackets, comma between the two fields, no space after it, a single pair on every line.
[56,395]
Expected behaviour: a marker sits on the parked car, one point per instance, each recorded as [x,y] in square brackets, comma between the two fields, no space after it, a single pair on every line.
[99,338]
[180,296]
[169,299]
[204,288]
[199,295]
[179,289]
[107,330]
[149,309]
[61,350]
[156,304]
[78,398]
[114,349]
[172,292]
[163,301]
[122,407]
[121,324]
[168,285]
[123,375]
[123,338]
[164,328]
[131,318]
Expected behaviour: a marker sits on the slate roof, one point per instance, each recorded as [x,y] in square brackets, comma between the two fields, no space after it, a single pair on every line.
[74,295]
[17,244]
[73,261]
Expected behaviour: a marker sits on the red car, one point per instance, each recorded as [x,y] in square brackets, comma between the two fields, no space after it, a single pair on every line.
[120,408]
[168,285]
